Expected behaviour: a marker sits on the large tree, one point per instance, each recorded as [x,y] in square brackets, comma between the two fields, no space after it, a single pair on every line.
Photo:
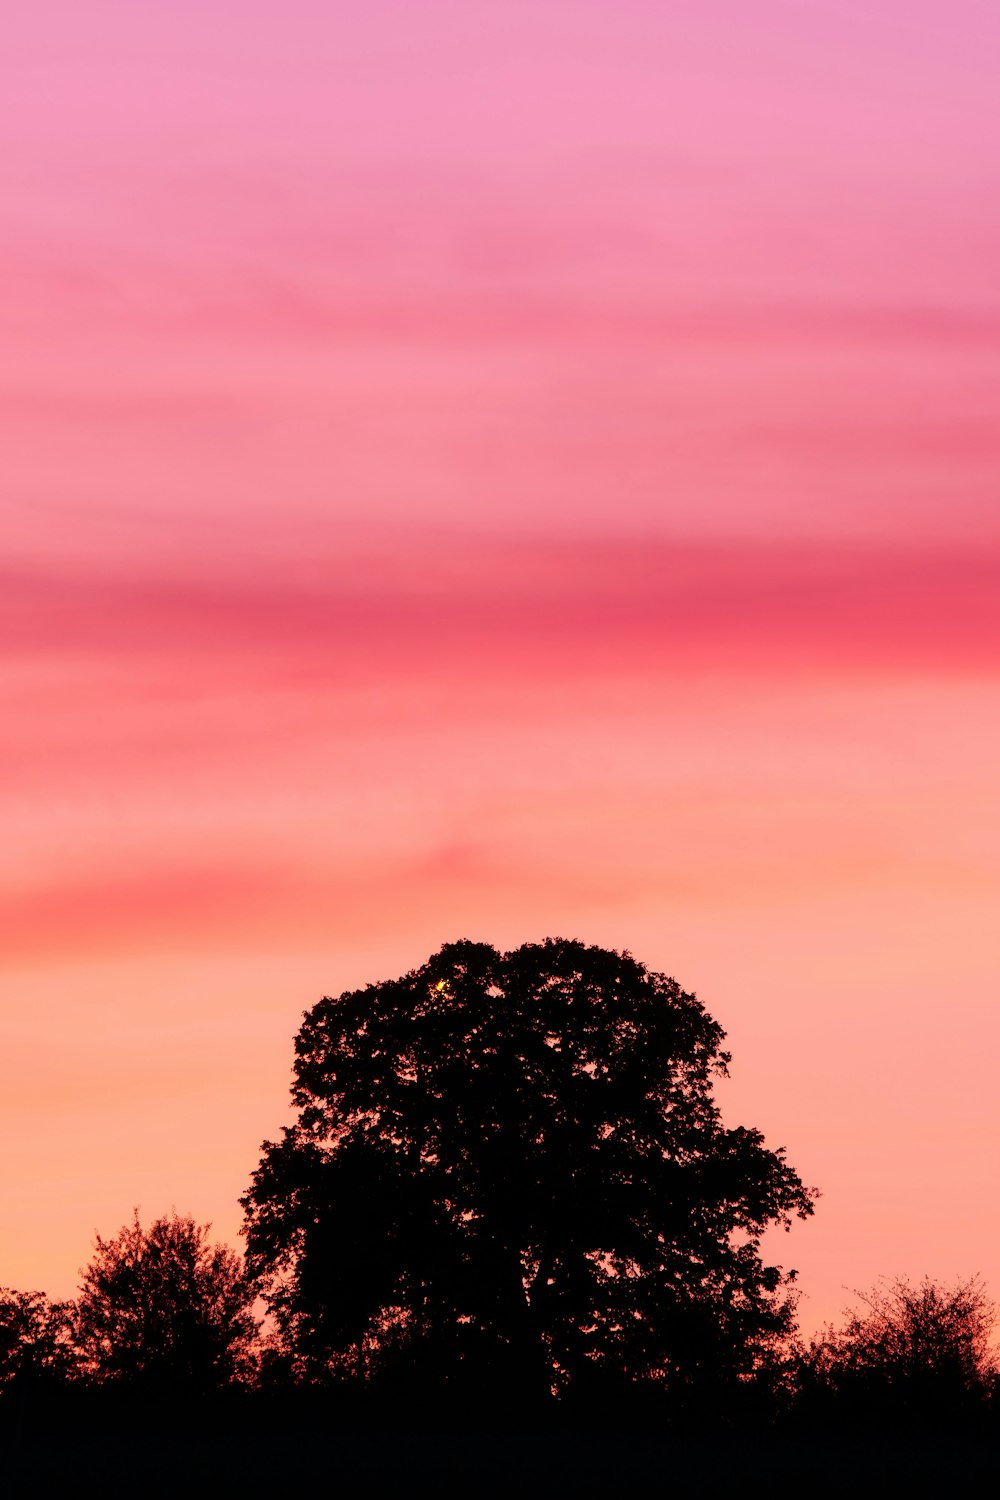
[514,1162]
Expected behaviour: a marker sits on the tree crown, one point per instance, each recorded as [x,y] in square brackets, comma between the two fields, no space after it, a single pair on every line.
[520,1153]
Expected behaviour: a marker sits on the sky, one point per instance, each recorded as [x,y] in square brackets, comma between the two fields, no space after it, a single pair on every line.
[500,470]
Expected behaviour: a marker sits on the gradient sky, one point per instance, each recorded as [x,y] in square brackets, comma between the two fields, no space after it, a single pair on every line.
[496,470]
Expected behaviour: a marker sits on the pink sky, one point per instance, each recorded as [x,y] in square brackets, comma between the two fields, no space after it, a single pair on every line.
[499,470]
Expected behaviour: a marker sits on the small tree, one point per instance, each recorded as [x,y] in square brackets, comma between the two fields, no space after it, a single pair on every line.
[164,1307]
[910,1353]
[36,1341]
[513,1164]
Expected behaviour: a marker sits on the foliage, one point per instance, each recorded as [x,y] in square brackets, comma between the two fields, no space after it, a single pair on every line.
[164,1307]
[36,1340]
[511,1167]
[911,1352]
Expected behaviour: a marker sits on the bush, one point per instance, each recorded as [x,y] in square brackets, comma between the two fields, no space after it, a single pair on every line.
[164,1307]
[910,1354]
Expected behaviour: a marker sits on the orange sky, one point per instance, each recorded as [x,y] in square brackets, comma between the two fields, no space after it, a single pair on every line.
[476,471]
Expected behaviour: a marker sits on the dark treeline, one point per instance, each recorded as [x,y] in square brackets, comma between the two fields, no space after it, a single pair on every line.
[507,1231]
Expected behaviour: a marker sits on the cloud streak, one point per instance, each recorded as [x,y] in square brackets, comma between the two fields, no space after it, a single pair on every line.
[449,605]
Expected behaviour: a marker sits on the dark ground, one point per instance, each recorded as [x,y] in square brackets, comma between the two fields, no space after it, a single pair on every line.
[153,1459]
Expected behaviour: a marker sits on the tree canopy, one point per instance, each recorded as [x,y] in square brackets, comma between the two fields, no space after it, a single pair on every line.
[514,1162]
[36,1340]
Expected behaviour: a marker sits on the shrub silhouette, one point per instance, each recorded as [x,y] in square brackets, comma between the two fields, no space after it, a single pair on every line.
[162,1307]
[510,1168]
[912,1354]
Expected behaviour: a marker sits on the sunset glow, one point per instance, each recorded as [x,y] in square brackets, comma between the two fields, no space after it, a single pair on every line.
[496,471]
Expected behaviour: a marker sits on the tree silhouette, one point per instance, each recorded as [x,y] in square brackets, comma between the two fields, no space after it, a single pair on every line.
[37,1347]
[511,1166]
[162,1307]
